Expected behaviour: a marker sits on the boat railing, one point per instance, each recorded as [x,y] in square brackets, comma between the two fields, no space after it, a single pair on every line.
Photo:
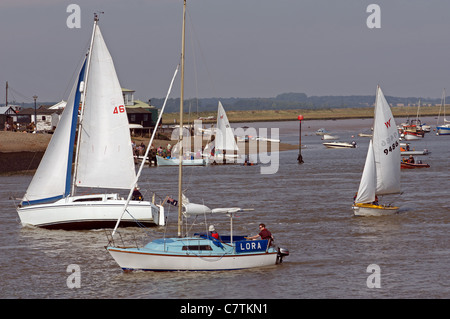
[119,239]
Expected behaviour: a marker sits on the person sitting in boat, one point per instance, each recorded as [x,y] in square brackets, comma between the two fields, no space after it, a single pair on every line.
[137,194]
[264,233]
[411,159]
[213,233]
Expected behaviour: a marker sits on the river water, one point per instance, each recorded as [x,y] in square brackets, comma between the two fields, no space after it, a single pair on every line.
[307,207]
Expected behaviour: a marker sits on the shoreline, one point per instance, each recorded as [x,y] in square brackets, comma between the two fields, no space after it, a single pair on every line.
[308,114]
[20,153]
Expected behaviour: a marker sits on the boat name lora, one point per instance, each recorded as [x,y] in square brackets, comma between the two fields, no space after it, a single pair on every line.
[256,245]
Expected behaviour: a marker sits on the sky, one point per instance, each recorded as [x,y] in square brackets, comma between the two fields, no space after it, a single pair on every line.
[234,48]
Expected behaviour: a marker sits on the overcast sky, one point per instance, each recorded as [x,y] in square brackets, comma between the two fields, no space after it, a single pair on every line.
[234,48]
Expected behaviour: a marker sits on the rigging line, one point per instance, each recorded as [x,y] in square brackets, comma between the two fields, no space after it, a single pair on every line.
[147,150]
[195,63]
[19,94]
[75,71]
[194,36]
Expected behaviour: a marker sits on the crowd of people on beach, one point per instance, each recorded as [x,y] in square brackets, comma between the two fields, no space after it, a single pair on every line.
[16,127]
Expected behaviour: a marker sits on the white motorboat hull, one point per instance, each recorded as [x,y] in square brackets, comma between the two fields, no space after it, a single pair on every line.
[90,212]
[412,137]
[339,145]
[141,260]
[443,130]
[374,210]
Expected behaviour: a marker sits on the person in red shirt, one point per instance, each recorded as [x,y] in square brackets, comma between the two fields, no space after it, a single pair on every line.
[213,233]
[264,233]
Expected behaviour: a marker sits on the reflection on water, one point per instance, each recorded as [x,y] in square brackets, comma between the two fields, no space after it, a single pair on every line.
[307,207]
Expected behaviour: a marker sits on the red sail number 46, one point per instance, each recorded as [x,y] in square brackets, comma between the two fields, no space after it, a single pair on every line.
[119,109]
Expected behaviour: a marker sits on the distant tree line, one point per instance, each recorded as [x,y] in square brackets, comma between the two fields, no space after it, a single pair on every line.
[285,101]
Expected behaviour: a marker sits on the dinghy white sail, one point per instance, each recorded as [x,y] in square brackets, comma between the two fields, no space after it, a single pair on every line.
[381,174]
[223,150]
[103,156]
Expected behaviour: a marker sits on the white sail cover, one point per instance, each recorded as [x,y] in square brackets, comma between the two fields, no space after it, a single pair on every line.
[105,154]
[224,139]
[53,177]
[367,186]
[386,148]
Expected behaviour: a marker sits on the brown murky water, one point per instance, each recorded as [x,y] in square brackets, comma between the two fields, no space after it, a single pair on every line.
[307,207]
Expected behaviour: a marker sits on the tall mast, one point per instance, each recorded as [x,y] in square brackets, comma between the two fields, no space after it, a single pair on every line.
[180,156]
[83,101]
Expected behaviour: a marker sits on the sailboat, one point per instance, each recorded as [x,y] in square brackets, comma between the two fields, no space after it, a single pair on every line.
[103,156]
[443,129]
[199,252]
[223,150]
[381,174]
[174,159]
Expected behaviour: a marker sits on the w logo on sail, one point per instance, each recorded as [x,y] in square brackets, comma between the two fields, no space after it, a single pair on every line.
[388,123]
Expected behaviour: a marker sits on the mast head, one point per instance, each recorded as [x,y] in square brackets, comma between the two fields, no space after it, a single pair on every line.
[96,18]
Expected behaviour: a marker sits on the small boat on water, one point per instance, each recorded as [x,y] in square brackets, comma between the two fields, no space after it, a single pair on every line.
[223,149]
[338,144]
[412,163]
[443,129]
[381,174]
[321,131]
[405,150]
[406,165]
[103,155]
[330,137]
[161,161]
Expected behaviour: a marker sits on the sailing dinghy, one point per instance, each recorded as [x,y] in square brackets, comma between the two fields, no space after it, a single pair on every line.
[201,251]
[223,150]
[103,156]
[381,174]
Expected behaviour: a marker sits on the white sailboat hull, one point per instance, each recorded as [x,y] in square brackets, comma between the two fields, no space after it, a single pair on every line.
[140,260]
[90,212]
[175,161]
[374,210]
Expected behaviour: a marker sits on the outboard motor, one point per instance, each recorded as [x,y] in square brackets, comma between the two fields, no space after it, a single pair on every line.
[282,252]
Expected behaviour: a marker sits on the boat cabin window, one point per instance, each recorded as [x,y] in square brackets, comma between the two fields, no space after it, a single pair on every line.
[90,199]
[197,247]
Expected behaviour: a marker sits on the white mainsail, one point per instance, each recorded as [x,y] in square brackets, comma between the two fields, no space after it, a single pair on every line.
[386,148]
[105,159]
[224,139]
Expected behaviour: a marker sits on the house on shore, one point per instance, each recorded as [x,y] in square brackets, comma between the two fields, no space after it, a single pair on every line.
[141,116]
